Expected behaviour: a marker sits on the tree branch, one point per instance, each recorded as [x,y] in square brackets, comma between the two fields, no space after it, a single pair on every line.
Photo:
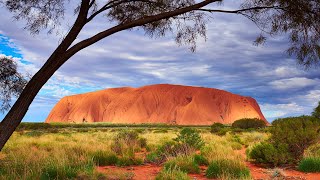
[240,11]
[112,4]
[148,19]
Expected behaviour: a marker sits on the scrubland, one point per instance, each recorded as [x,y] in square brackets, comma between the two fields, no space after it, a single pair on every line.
[38,151]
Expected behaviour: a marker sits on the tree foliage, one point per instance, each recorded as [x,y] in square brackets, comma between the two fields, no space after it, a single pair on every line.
[11,82]
[316,111]
[247,123]
[290,137]
[297,18]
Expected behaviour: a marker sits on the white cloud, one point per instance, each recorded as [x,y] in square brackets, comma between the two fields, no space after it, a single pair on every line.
[293,83]
[272,111]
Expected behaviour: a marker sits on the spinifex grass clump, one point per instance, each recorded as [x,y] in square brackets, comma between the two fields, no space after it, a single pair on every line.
[310,164]
[184,163]
[186,143]
[104,158]
[125,144]
[227,168]
[172,174]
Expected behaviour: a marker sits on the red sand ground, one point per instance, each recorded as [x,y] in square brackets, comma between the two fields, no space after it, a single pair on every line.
[146,172]
[262,173]
[162,103]
[150,171]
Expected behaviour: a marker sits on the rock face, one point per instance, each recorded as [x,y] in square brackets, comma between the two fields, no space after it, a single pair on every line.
[163,103]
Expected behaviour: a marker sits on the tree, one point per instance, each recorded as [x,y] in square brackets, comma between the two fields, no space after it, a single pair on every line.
[11,82]
[186,18]
[316,111]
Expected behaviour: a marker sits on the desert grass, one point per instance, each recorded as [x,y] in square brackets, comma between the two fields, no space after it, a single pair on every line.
[68,153]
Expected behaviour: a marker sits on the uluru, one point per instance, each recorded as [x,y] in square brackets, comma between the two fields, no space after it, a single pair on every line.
[161,103]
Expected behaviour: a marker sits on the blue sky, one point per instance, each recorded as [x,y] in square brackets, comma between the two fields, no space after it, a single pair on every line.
[227,60]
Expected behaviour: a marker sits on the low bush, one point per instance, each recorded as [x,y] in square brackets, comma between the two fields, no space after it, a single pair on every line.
[184,163]
[216,127]
[309,165]
[153,157]
[268,153]
[129,161]
[172,174]
[227,169]
[313,151]
[191,137]
[160,131]
[127,142]
[34,133]
[168,150]
[298,133]
[248,123]
[104,158]
[199,159]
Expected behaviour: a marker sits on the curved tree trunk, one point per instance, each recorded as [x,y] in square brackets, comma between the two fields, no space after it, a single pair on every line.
[55,61]
[20,108]
[65,52]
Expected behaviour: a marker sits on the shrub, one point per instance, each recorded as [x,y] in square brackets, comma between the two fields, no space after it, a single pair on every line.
[168,150]
[316,111]
[226,168]
[268,153]
[153,157]
[298,133]
[248,123]
[34,133]
[190,137]
[103,158]
[236,146]
[184,163]
[199,159]
[309,165]
[142,142]
[216,127]
[127,142]
[172,174]
[313,151]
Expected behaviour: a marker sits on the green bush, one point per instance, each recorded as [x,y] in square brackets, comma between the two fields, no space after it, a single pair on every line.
[172,174]
[167,150]
[298,133]
[316,111]
[153,157]
[127,142]
[103,158]
[199,159]
[142,142]
[309,165]
[129,161]
[184,163]
[190,137]
[226,168]
[216,127]
[268,153]
[34,133]
[248,123]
